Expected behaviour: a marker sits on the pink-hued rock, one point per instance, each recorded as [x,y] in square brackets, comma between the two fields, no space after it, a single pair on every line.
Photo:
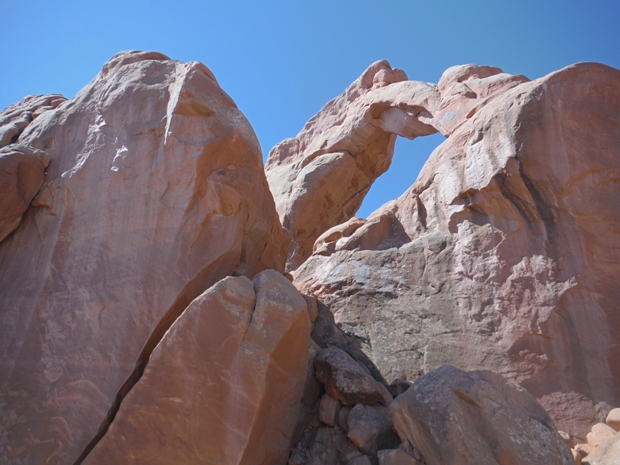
[599,434]
[224,384]
[154,192]
[370,428]
[396,457]
[462,418]
[15,118]
[320,177]
[607,453]
[504,254]
[613,419]
[22,170]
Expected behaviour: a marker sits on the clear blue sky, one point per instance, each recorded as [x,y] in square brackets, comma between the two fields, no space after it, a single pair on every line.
[281,61]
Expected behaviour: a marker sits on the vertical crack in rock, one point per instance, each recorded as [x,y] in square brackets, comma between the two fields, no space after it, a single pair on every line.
[191,290]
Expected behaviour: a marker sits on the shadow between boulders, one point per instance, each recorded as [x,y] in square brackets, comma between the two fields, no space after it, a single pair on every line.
[327,334]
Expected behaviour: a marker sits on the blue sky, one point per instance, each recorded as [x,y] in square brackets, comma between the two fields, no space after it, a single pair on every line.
[281,61]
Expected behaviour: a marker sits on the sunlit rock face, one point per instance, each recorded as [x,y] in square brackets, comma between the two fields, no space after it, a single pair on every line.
[22,168]
[154,192]
[505,253]
[224,384]
[320,178]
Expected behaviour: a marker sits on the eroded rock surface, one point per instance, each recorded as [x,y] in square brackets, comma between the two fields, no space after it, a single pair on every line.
[461,418]
[223,385]
[320,177]
[15,118]
[22,170]
[154,192]
[505,253]
[608,453]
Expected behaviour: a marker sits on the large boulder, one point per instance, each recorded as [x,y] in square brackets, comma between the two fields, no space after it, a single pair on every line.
[224,384]
[154,192]
[505,253]
[459,418]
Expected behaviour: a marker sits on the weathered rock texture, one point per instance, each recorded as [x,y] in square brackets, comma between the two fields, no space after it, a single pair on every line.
[505,253]
[608,453]
[22,168]
[460,418]
[224,383]
[320,177]
[154,192]
[15,118]
[347,381]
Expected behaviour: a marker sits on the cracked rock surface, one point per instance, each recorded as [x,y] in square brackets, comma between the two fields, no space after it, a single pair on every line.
[224,383]
[154,192]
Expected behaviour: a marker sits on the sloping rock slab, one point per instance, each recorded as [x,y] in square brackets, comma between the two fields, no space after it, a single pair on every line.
[223,385]
[347,381]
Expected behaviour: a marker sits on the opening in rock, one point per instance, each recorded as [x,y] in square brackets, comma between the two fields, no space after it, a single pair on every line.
[409,158]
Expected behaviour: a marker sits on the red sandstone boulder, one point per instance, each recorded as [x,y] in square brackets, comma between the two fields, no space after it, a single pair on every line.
[223,386]
[155,191]
[461,418]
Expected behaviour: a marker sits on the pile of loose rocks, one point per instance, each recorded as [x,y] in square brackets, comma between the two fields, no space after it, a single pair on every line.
[351,424]
[447,416]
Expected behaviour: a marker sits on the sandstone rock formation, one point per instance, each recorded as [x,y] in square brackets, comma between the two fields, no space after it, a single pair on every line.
[458,417]
[22,168]
[505,253]
[144,317]
[320,177]
[154,192]
[15,118]
[608,453]
[223,384]
[347,381]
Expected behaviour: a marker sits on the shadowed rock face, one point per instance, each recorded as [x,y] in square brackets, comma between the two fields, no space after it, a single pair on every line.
[505,253]
[154,192]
